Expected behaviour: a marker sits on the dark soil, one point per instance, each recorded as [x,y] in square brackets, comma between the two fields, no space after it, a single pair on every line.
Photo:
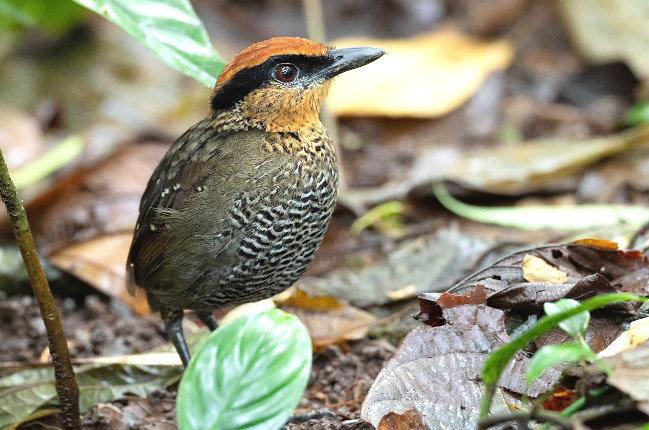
[340,379]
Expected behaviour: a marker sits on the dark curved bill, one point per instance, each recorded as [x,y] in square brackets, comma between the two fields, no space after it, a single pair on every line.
[348,59]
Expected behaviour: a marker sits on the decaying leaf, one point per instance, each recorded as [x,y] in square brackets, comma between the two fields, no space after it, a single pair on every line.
[436,371]
[637,334]
[21,139]
[429,263]
[409,420]
[87,230]
[446,68]
[590,270]
[101,262]
[329,320]
[22,393]
[630,372]
[433,305]
[536,269]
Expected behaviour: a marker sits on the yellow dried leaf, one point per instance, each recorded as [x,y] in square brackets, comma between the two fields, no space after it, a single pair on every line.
[536,269]
[423,76]
[634,336]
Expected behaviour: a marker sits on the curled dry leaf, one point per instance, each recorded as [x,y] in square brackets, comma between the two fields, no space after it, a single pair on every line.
[433,305]
[445,69]
[590,270]
[436,370]
[328,319]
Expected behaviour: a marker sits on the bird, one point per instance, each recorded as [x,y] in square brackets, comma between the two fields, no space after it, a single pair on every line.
[239,204]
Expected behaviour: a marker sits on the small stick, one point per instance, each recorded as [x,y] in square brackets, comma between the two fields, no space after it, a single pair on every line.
[66,384]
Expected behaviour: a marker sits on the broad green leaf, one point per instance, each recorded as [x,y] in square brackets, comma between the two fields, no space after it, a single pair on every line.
[575,325]
[249,374]
[56,16]
[549,355]
[170,29]
[24,392]
[497,361]
[578,217]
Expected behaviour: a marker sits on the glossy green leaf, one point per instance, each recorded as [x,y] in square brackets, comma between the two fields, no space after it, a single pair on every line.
[497,361]
[249,374]
[577,217]
[170,29]
[549,355]
[575,325]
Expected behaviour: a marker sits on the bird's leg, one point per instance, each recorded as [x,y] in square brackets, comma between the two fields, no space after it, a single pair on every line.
[208,319]
[173,321]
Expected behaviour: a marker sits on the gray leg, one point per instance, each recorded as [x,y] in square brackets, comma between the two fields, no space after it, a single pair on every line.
[173,321]
[208,319]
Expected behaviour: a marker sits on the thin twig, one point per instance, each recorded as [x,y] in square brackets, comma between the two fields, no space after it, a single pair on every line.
[66,384]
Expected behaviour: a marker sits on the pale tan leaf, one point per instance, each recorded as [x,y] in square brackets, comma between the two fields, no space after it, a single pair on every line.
[423,76]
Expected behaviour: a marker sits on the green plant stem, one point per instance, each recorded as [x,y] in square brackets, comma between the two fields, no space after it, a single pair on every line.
[66,384]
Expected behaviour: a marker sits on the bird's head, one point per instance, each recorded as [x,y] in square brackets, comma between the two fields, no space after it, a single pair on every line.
[280,83]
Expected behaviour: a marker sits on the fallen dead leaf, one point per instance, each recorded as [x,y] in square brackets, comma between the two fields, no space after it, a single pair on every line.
[436,371]
[445,69]
[590,270]
[428,263]
[101,262]
[536,269]
[433,305]
[329,320]
[637,334]
[409,420]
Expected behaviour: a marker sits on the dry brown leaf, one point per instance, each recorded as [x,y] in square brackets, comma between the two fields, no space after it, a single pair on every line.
[637,334]
[536,269]
[598,243]
[409,420]
[299,299]
[445,68]
[328,319]
[101,263]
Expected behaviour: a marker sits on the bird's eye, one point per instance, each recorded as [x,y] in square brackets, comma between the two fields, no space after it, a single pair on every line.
[285,72]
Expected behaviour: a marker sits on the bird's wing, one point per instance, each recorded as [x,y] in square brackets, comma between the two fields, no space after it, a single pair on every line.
[199,155]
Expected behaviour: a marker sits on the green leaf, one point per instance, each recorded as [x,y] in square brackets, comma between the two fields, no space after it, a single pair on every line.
[549,355]
[249,374]
[24,392]
[57,16]
[575,325]
[539,217]
[170,29]
[637,114]
[497,361]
